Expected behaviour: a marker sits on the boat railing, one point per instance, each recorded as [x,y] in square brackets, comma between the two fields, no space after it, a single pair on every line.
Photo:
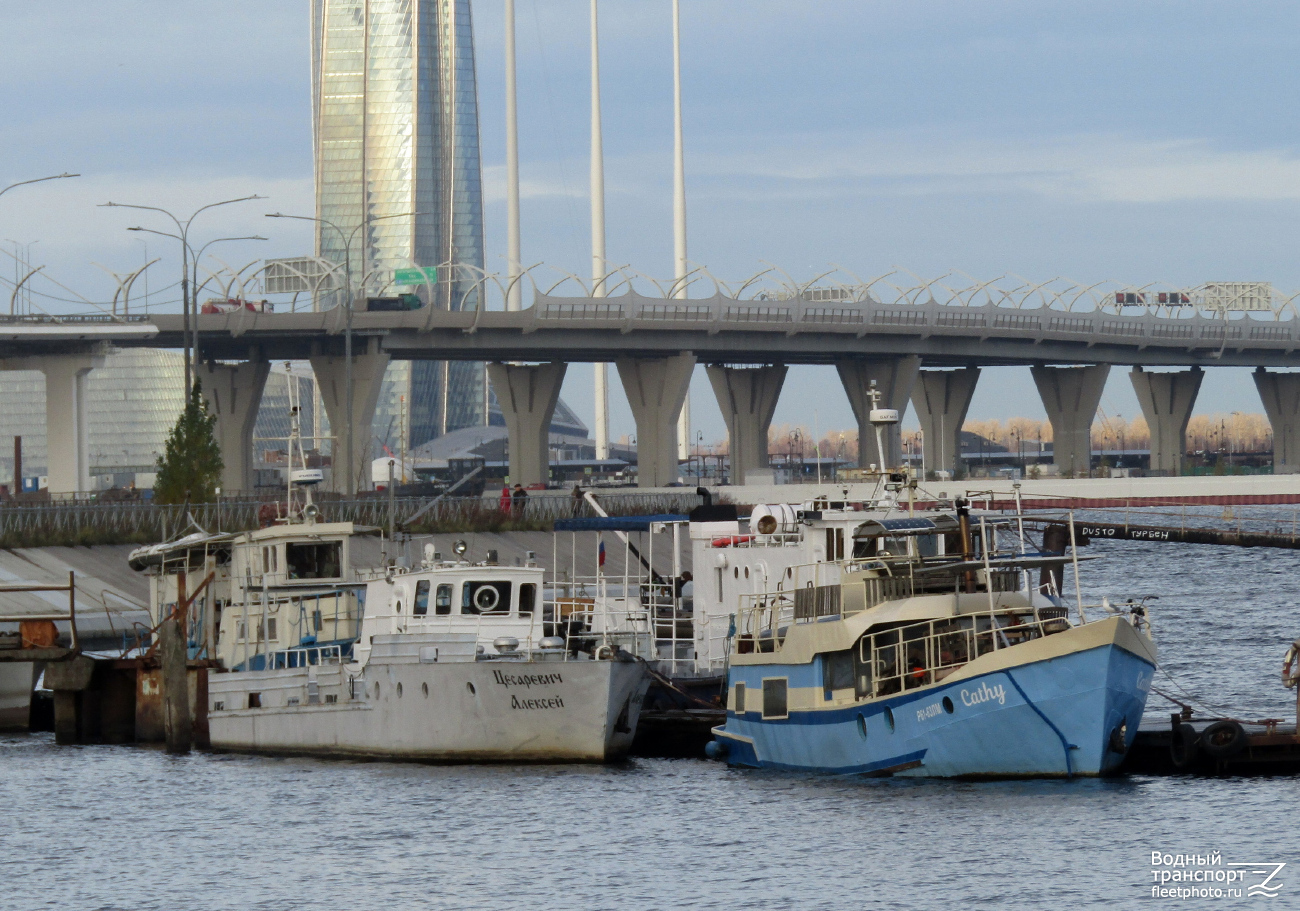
[661,620]
[763,620]
[923,653]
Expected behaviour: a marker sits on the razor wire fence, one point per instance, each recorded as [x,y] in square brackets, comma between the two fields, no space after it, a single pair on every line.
[72,522]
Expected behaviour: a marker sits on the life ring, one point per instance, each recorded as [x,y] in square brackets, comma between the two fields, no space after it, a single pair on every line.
[1223,739]
[486,599]
[729,540]
[1291,666]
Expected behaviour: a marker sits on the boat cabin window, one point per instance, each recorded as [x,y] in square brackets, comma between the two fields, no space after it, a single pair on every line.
[442,602]
[421,597]
[316,560]
[485,598]
[774,698]
[527,598]
[740,699]
[834,544]
[837,670]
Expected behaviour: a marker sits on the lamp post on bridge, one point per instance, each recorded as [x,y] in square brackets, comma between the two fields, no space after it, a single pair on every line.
[350,485]
[23,183]
[184,230]
[194,285]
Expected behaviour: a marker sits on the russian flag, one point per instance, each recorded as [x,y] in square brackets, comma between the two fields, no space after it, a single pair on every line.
[600,553]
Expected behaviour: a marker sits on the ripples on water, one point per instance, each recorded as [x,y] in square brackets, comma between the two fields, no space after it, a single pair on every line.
[130,828]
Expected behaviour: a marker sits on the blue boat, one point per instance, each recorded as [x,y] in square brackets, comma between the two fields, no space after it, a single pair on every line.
[935,654]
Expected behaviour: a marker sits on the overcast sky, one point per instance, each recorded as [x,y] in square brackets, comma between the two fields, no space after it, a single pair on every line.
[1101,140]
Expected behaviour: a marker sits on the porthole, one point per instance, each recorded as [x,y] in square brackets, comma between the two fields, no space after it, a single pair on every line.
[789,572]
[376,690]
[470,687]
[399,607]
[746,572]
[425,688]
[736,572]
[889,717]
[947,705]
[399,691]
[862,725]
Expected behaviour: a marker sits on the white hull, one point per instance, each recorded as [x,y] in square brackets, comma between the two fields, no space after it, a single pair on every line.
[466,711]
[15,695]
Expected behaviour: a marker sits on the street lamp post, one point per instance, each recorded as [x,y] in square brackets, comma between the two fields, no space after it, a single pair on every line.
[23,183]
[347,238]
[193,339]
[184,230]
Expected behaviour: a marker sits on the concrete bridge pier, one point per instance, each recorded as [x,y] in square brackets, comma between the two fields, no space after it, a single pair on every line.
[747,397]
[1280,393]
[941,399]
[367,376]
[527,394]
[233,393]
[1071,396]
[895,379]
[68,461]
[656,389]
[1167,400]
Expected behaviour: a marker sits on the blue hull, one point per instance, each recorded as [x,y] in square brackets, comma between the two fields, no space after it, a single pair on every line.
[1047,718]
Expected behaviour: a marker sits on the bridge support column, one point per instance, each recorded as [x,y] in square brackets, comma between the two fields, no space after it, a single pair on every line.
[367,377]
[895,378]
[1167,400]
[1280,393]
[747,397]
[234,393]
[527,395]
[68,459]
[1071,396]
[656,388]
[941,399]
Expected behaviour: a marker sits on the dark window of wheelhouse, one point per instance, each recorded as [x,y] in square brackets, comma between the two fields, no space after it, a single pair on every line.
[527,598]
[442,602]
[317,560]
[421,597]
[485,598]
[740,699]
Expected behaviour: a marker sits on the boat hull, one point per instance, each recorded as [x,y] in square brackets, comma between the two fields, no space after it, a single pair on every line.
[573,711]
[15,695]
[1061,708]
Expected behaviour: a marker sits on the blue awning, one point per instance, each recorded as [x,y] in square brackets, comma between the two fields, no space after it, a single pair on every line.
[614,523]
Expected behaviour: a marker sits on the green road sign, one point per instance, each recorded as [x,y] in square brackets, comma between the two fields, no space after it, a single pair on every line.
[415,276]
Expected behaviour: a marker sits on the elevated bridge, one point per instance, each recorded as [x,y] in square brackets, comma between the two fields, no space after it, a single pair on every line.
[923,345]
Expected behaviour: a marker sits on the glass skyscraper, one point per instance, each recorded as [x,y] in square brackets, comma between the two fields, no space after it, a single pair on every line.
[395,125]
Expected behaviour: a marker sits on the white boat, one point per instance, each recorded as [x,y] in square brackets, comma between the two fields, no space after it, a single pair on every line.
[445,660]
[448,660]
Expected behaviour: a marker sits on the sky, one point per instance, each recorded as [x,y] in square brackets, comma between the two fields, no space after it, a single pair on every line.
[1101,140]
